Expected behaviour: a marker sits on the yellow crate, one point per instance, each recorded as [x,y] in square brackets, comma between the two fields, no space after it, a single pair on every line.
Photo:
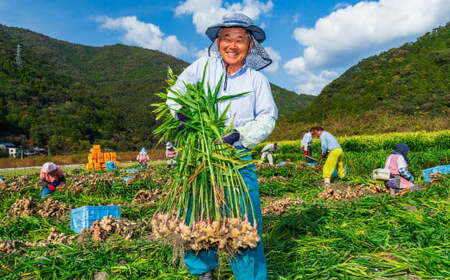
[107,156]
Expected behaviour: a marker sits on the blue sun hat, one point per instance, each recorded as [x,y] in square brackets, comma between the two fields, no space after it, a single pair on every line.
[257,58]
[236,20]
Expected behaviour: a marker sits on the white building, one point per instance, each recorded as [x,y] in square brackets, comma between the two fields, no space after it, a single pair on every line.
[15,152]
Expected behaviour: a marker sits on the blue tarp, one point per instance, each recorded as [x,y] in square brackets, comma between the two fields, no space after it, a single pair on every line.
[134,170]
[126,179]
[443,169]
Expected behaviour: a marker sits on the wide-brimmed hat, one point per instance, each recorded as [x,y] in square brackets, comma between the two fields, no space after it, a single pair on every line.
[169,145]
[236,20]
[48,167]
[257,58]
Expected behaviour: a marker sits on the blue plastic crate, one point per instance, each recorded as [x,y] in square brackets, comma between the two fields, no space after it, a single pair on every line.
[83,217]
[444,169]
[110,165]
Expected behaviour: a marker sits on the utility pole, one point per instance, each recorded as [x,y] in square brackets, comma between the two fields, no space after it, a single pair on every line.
[18,57]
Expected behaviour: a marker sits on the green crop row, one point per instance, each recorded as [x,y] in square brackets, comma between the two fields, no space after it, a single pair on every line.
[417,141]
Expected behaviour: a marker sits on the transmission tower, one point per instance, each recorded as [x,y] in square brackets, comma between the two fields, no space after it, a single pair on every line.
[18,57]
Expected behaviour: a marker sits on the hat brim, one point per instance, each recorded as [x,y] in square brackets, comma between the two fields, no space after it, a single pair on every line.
[213,31]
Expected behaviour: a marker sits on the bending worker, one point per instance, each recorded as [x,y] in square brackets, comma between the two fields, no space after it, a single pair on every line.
[143,158]
[268,152]
[236,55]
[335,157]
[51,177]
[171,155]
[397,163]
[306,146]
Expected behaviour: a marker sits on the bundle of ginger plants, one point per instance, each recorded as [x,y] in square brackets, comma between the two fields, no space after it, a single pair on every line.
[208,204]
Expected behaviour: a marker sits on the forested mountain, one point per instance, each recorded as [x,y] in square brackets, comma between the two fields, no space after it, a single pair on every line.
[69,95]
[413,79]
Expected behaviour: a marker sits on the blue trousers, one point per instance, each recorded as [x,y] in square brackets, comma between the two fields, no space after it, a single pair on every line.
[46,191]
[249,264]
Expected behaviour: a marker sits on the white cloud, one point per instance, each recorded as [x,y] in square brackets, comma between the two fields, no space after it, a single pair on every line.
[275,56]
[353,32]
[341,5]
[143,34]
[206,13]
[201,53]
[347,34]
[310,83]
[296,65]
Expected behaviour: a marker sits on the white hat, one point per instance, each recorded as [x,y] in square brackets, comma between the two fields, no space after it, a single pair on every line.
[49,167]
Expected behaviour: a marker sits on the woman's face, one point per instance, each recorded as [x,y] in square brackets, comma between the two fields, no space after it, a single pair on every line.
[234,44]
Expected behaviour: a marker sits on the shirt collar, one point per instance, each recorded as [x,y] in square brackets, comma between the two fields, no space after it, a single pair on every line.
[238,73]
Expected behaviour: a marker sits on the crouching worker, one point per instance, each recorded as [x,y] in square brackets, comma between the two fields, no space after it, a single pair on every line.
[143,158]
[171,155]
[397,163]
[268,152]
[335,153]
[51,177]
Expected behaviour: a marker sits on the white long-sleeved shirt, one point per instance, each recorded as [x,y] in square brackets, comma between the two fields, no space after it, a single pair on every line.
[306,140]
[254,114]
[269,148]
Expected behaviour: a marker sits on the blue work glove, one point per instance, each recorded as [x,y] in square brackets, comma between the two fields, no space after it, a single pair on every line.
[411,178]
[182,118]
[231,137]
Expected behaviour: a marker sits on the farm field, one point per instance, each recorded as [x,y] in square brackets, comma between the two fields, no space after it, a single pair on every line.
[354,230]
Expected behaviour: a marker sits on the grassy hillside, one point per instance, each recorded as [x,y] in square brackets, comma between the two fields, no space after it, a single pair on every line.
[289,102]
[402,89]
[67,95]
[410,79]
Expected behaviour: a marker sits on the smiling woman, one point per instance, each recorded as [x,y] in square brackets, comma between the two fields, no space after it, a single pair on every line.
[234,45]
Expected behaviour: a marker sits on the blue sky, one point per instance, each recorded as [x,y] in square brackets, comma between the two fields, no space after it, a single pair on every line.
[311,41]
